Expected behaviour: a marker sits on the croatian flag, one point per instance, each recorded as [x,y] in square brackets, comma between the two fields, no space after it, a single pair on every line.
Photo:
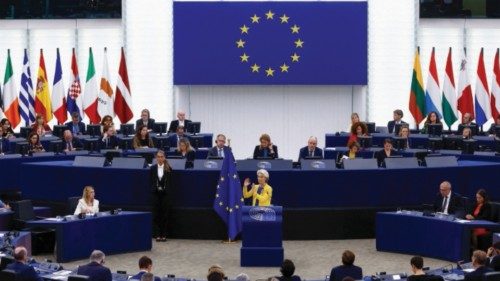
[74,100]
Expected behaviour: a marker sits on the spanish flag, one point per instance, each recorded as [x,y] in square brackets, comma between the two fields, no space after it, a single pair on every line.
[42,97]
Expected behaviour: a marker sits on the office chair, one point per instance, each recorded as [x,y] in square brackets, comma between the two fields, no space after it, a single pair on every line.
[72,203]
[78,278]
[8,275]
[492,276]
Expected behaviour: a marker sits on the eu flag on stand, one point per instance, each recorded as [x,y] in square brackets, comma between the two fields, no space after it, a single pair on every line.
[228,196]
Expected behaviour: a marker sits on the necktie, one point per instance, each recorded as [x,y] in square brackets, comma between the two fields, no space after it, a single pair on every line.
[310,153]
[220,152]
[444,203]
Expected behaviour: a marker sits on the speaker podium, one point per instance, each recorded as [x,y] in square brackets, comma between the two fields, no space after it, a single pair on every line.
[262,243]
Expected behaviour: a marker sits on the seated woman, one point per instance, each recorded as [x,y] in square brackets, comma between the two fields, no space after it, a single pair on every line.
[404,132]
[109,140]
[107,120]
[467,133]
[141,138]
[354,119]
[261,192]
[34,144]
[87,204]
[388,151]
[145,120]
[480,211]
[7,129]
[432,119]
[358,129]
[40,127]
[185,150]
[266,149]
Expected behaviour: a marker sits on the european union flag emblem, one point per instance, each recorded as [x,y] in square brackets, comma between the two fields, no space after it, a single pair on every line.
[270,43]
[228,196]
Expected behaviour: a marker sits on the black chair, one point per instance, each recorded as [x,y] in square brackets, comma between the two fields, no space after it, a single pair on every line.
[8,275]
[492,276]
[78,278]
[495,211]
[72,203]
[4,261]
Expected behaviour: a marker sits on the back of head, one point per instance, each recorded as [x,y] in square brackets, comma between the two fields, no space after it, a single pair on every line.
[97,256]
[20,254]
[147,277]
[145,262]
[417,262]
[479,257]
[348,257]
[242,277]
[287,268]
[215,275]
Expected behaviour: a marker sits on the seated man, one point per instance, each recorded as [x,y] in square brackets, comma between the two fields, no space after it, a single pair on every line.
[396,119]
[145,266]
[109,140]
[287,272]
[417,263]
[95,270]
[181,121]
[311,150]
[70,143]
[76,126]
[347,269]
[220,149]
[145,120]
[479,259]
[23,271]
[493,254]
[448,202]
[173,140]
[467,122]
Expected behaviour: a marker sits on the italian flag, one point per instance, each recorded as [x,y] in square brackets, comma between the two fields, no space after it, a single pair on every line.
[10,99]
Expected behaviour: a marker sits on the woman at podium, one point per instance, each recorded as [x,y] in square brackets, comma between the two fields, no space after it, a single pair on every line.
[261,192]
[87,204]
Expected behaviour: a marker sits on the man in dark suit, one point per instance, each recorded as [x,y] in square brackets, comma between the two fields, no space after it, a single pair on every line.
[467,122]
[181,121]
[347,269]
[76,126]
[145,266]
[71,143]
[266,149]
[108,140]
[173,140]
[479,259]
[449,202]
[95,270]
[493,254]
[396,115]
[311,150]
[145,120]
[220,149]
[23,271]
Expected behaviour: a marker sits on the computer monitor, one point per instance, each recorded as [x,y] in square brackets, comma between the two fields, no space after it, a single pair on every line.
[56,146]
[91,144]
[160,127]
[21,148]
[399,143]
[25,132]
[397,128]
[161,143]
[435,144]
[94,130]
[127,129]
[473,129]
[468,146]
[365,141]
[497,131]
[370,126]
[434,129]
[196,141]
[194,127]
[58,130]
[125,143]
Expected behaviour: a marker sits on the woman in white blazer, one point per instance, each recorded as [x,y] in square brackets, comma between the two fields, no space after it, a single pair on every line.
[87,204]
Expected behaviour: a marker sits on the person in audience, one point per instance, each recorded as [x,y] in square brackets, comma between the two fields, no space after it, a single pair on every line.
[218,268]
[418,274]
[4,144]
[174,139]
[181,121]
[95,270]
[388,151]
[479,259]
[354,119]
[480,211]
[466,133]
[71,143]
[220,149]
[148,277]
[493,254]
[107,120]
[404,132]
[266,149]
[432,118]
[145,267]
[351,153]
[76,126]
[492,130]
[311,150]
[141,138]
[185,150]
[287,270]
[4,206]
[397,115]
[87,204]
[145,120]
[215,274]
[242,277]
[109,140]
[466,123]
[358,129]
[34,144]
[448,202]
[40,127]
[23,271]
[347,268]
[7,129]
[261,192]
[161,179]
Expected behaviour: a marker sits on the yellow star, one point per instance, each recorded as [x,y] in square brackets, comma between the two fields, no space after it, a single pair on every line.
[240,43]
[218,186]
[216,195]
[235,176]
[295,29]
[255,19]
[269,15]
[227,208]
[295,57]
[269,72]
[255,67]
[284,67]
[237,207]
[231,210]
[244,29]
[284,18]
[299,43]
[222,178]
[244,57]
[220,203]
[242,200]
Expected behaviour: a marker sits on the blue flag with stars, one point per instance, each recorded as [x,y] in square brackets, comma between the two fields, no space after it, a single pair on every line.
[270,43]
[229,195]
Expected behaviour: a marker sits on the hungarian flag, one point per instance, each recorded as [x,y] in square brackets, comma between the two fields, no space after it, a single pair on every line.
[417,96]
[432,91]
[105,104]
[9,98]
[464,101]
[74,99]
[123,98]
[482,102]
[90,96]
[449,101]
[495,87]
[42,98]
[58,96]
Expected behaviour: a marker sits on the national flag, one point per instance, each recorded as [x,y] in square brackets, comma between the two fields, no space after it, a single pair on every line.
[495,87]
[58,96]
[229,201]
[417,95]
[432,91]
[9,98]
[123,98]
[26,95]
[74,98]
[1,99]
[42,98]
[449,101]
[482,101]
[90,96]
[105,100]
[464,101]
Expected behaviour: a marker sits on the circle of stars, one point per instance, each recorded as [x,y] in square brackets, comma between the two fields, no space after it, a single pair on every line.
[269,70]
[229,208]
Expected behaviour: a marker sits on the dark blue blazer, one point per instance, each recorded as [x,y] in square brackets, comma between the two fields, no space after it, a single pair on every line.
[291,278]
[477,275]
[304,152]
[139,275]
[340,272]
[175,123]
[214,151]
[76,143]
[81,127]
[258,152]
[172,140]
[455,206]
[4,146]
[392,124]
[95,272]
[151,124]
[111,144]
[24,272]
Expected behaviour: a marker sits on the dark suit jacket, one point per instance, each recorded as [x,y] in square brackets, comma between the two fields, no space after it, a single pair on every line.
[461,127]
[380,155]
[304,152]
[139,275]
[484,212]
[392,124]
[492,129]
[455,206]
[494,263]
[291,278]
[81,127]
[174,124]
[477,275]
[189,157]
[76,143]
[111,144]
[95,271]
[214,151]
[24,272]
[257,153]
[151,124]
[172,140]
[158,184]
[338,273]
